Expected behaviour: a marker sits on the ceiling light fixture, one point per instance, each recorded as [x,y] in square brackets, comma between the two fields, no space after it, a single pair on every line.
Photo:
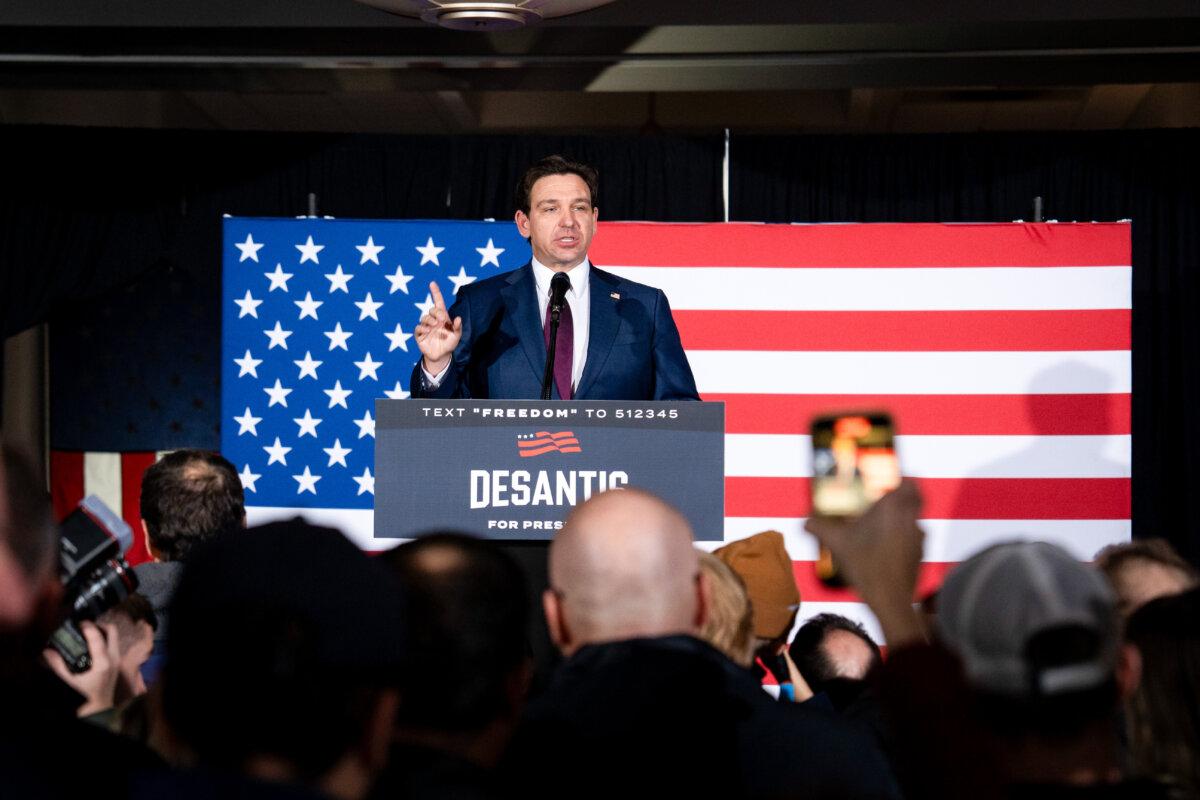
[497,15]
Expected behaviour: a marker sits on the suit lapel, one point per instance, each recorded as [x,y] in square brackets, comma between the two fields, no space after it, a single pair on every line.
[520,301]
[603,323]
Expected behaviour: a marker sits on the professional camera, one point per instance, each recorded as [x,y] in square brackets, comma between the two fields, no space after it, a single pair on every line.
[94,573]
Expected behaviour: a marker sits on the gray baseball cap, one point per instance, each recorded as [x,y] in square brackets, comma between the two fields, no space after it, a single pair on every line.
[994,605]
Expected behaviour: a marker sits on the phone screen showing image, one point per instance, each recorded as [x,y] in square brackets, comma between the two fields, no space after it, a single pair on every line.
[854,463]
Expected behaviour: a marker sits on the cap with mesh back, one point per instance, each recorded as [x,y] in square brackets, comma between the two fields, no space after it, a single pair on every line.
[994,605]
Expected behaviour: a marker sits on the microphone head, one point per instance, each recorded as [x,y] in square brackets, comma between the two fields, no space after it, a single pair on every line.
[560,284]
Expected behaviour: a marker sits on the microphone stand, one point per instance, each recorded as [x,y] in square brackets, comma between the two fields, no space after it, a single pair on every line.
[548,373]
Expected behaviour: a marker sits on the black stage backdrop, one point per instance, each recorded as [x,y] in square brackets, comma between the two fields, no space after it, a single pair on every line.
[113,236]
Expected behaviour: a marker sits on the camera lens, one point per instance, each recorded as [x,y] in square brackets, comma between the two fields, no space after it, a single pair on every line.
[106,587]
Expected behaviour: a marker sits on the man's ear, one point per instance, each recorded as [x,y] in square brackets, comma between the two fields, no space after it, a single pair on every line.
[560,634]
[150,548]
[522,220]
[244,519]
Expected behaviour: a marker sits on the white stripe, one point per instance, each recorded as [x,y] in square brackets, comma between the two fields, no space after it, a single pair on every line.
[787,372]
[951,539]
[102,477]
[890,289]
[790,456]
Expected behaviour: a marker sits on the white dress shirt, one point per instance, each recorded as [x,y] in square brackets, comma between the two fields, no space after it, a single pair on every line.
[578,298]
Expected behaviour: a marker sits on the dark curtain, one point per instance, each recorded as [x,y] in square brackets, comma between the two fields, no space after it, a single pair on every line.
[641,178]
[1151,177]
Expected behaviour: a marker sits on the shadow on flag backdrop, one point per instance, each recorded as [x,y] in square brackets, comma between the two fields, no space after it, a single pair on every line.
[1002,350]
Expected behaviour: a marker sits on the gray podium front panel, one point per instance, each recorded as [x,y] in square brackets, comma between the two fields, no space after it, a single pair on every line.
[514,469]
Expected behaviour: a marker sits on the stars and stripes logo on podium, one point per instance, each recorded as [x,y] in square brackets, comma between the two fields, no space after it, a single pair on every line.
[543,442]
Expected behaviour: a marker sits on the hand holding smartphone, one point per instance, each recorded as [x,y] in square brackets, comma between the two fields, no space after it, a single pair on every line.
[854,464]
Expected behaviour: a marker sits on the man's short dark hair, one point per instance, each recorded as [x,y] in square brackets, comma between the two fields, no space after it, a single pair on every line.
[135,608]
[1113,558]
[555,165]
[190,496]
[808,653]
[468,612]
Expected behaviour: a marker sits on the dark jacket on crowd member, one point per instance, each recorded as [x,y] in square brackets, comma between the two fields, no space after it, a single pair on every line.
[47,752]
[427,773]
[671,716]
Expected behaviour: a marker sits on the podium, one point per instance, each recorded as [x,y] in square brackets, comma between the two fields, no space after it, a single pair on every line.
[514,469]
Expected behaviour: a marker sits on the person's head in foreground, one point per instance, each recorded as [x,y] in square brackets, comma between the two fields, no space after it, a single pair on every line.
[623,567]
[30,590]
[134,622]
[1037,633]
[829,648]
[189,496]
[1163,714]
[469,660]
[284,647]
[763,564]
[641,704]
[1142,570]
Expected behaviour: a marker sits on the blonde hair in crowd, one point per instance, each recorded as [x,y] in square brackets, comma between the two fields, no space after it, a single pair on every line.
[730,623]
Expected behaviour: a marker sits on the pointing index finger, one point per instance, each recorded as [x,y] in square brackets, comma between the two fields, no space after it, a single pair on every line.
[438,302]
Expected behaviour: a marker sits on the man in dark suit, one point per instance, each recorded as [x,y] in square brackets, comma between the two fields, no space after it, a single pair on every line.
[616,339]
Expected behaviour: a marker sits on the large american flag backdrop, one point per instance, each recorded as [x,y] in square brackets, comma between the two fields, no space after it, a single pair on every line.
[1002,350]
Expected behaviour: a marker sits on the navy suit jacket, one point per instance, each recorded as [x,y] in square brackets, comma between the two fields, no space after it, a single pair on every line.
[633,352]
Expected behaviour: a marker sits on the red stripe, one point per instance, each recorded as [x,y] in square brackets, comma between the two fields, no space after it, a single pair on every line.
[66,481]
[550,448]
[133,465]
[954,498]
[862,245]
[925,414]
[1107,329]
[540,451]
[547,441]
[813,591]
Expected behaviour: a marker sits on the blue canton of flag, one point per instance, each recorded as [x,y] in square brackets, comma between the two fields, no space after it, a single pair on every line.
[318,319]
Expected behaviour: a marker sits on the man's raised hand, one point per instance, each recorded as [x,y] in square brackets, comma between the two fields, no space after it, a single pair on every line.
[881,553]
[436,335]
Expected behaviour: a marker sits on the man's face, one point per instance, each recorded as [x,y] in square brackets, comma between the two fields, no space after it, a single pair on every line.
[561,221]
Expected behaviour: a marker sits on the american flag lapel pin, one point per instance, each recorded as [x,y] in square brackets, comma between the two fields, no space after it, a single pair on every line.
[615,295]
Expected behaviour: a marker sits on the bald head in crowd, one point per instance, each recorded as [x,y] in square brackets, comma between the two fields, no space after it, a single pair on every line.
[623,567]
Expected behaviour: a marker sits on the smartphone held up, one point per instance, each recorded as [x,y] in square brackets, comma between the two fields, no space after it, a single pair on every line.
[854,464]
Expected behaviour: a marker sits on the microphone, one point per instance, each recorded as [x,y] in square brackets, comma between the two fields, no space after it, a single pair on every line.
[559,285]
